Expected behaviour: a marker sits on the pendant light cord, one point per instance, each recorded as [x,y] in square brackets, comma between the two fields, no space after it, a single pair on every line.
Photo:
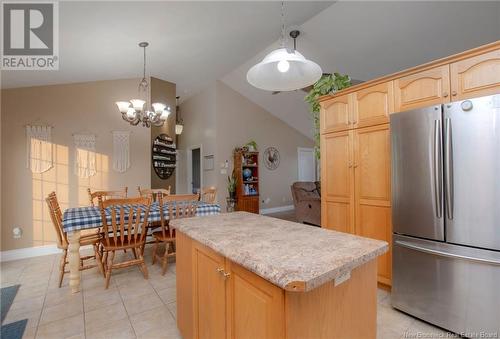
[283,24]
[144,69]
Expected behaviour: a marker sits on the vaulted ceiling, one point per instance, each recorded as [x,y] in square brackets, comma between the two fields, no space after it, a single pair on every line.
[195,43]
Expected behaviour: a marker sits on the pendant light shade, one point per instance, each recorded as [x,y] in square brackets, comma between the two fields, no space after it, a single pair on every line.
[284,70]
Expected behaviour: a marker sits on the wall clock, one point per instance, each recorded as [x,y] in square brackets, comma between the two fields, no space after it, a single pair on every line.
[271,158]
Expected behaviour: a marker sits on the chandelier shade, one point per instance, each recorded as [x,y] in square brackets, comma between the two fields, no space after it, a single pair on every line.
[284,70]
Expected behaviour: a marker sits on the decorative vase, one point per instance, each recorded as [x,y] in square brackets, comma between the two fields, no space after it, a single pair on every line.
[247,173]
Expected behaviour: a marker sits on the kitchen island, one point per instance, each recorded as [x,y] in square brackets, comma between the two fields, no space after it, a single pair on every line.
[242,275]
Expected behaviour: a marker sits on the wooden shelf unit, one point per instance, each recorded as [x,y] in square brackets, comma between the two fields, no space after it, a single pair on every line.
[248,202]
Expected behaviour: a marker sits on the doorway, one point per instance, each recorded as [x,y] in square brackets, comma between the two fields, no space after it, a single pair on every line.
[307,164]
[194,167]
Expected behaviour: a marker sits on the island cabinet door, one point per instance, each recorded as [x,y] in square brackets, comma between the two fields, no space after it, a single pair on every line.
[209,293]
[337,187]
[422,89]
[372,163]
[476,76]
[372,106]
[255,307]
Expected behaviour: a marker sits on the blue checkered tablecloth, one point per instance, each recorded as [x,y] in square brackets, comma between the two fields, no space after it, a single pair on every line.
[81,218]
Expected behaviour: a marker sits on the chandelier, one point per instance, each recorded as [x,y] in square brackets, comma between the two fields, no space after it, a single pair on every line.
[284,69]
[138,111]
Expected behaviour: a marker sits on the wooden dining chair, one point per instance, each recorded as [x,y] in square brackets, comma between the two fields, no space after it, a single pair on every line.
[91,238]
[126,230]
[177,208]
[208,194]
[145,192]
[97,196]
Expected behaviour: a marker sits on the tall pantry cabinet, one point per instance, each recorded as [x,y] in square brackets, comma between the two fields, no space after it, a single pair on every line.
[355,137]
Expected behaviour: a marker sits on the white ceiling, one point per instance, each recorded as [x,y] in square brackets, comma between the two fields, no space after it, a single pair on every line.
[191,43]
[371,39]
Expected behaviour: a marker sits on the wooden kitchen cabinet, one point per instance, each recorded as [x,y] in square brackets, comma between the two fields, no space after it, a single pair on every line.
[209,293]
[422,89]
[372,177]
[337,182]
[356,191]
[221,299]
[335,114]
[372,105]
[254,306]
[476,76]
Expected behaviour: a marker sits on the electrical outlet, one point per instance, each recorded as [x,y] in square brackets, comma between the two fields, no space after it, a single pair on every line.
[17,232]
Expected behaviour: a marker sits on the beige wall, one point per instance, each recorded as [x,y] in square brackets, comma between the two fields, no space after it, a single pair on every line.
[164,92]
[220,119]
[239,120]
[73,108]
[198,113]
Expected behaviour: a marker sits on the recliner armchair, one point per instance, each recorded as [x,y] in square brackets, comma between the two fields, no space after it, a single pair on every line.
[307,201]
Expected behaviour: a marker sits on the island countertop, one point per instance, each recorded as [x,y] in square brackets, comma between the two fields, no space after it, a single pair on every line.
[293,256]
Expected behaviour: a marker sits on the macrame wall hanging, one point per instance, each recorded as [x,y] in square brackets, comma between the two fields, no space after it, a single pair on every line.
[85,158]
[39,148]
[121,151]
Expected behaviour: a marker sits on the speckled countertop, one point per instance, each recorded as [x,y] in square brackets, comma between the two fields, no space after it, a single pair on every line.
[292,256]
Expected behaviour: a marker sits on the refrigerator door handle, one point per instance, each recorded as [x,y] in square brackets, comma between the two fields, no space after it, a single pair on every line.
[438,179]
[446,254]
[448,168]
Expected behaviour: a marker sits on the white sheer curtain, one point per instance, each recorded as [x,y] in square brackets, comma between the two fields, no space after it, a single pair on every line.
[85,158]
[39,148]
[121,151]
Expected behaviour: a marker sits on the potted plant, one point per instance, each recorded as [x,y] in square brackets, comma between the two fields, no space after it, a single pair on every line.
[231,185]
[329,83]
[252,146]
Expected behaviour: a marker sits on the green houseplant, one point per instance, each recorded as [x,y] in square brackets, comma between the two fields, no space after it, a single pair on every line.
[252,146]
[231,185]
[329,83]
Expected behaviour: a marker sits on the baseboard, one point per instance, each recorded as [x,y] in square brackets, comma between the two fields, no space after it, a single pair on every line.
[276,209]
[28,252]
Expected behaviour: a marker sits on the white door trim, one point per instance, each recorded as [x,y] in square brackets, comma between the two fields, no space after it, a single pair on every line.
[189,162]
[306,149]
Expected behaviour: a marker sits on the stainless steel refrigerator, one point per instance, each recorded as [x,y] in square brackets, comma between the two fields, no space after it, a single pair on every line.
[446,214]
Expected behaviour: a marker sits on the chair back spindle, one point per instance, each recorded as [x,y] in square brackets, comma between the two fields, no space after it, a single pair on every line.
[56,217]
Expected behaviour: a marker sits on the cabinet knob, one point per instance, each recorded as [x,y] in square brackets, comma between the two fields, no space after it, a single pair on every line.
[350,164]
[226,275]
[445,94]
[454,93]
[220,270]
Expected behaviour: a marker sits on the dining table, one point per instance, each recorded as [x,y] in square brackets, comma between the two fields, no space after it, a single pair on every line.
[78,219]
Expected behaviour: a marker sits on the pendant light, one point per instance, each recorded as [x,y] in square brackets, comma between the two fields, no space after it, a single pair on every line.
[284,69]
[179,123]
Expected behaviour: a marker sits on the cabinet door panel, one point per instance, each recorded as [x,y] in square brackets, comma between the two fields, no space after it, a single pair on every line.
[209,298]
[373,190]
[335,114]
[375,222]
[475,77]
[372,106]
[422,89]
[184,278]
[254,306]
[337,181]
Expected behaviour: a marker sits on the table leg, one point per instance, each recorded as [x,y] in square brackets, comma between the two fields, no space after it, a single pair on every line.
[74,261]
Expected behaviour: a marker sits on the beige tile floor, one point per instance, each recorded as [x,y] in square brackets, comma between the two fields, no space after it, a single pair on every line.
[132,307]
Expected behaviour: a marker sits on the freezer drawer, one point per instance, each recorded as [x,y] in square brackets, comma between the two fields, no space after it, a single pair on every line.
[451,286]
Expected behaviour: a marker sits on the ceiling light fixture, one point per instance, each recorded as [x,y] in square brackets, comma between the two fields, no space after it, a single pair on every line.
[136,111]
[284,69]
